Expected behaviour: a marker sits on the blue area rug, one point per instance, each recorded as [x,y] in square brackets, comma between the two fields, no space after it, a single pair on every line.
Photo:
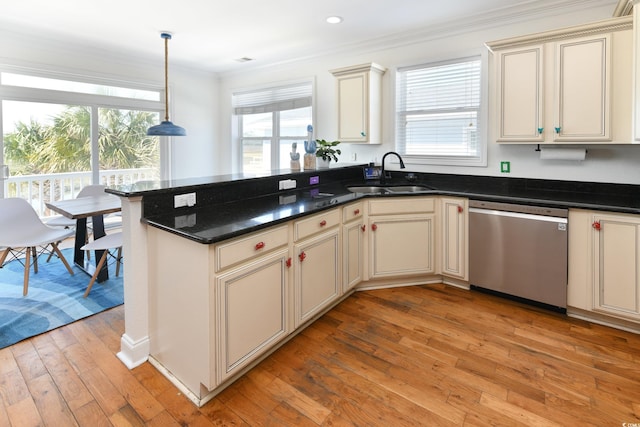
[55,297]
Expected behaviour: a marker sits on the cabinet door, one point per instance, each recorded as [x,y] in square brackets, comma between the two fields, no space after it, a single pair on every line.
[317,274]
[616,256]
[454,237]
[353,253]
[583,74]
[353,107]
[401,245]
[252,307]
[520,94]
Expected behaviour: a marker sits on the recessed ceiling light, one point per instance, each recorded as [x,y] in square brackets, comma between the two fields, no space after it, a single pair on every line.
[334,19]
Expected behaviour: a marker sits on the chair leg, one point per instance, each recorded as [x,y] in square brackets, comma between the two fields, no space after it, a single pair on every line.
[118,261]
[103,258]
[35,259]
[62,258]
[27,265]
[3,257]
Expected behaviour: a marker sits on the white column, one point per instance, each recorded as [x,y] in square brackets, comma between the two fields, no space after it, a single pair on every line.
[134,344]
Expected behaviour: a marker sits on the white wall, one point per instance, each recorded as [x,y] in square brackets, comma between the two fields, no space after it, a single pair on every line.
[193,93]
[619,164]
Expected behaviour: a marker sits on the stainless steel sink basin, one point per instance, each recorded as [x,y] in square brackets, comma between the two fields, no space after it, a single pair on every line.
[378,189]
[407,189]
[367,189]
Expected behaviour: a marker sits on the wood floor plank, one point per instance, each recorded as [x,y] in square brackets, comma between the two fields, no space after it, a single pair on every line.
[50,403]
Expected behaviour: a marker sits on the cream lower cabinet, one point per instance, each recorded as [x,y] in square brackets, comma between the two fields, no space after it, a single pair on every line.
[604,260]
[401,237]
[353,245]
[454,238]
[316,264]
[252,306]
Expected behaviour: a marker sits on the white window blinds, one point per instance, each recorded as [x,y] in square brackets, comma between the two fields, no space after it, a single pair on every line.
[438,107]
[281,98]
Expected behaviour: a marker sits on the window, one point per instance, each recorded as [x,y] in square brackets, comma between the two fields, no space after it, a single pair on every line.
[60,134]
[439,113]
[270,120]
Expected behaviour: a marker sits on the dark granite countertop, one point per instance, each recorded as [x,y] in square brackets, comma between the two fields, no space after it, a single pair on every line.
[219,221]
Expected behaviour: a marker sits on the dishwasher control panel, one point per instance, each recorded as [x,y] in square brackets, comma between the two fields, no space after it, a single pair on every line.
[519,208]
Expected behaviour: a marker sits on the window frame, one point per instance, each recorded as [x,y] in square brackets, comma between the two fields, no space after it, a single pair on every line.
[482,119]
[93,101]
[276,138]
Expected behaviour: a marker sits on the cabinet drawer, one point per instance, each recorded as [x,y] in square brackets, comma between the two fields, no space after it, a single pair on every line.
[238,250]
[353,211]
[308,226]
[395,205]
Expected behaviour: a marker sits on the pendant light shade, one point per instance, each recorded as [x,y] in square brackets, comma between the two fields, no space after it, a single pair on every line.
[166,128]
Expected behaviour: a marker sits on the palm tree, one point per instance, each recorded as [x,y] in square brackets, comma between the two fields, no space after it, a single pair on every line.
[65,146]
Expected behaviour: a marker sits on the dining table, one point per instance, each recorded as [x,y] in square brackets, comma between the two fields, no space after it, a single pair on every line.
[80,209]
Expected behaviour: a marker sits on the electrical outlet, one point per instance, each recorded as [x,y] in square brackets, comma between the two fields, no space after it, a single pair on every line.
[187,199]
[287,184]
[505,167]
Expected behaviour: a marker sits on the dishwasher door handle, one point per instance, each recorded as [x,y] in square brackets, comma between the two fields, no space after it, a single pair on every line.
[518,215]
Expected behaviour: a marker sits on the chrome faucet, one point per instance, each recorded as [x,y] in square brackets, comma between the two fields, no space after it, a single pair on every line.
[382,175]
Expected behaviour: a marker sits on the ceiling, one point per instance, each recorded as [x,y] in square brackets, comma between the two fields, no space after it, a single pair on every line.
[213,34]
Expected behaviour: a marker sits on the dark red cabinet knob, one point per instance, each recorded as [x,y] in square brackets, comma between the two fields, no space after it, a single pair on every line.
[596,225]
[356,212]
[460,209]
[288,262]
[374,227]
[259,246]
[302,256]
[363,228]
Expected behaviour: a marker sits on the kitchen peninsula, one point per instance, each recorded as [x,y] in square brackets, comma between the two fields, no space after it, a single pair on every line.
[212,288]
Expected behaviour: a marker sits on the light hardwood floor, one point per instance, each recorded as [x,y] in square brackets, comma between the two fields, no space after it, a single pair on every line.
[427,355]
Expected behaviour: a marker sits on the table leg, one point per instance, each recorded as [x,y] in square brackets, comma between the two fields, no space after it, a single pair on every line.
[81,239]
[98,231]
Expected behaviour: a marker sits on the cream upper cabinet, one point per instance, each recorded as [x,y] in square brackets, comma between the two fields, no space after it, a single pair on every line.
[566,86]
[454,238]
[360,103]
[604,255]
[636,66]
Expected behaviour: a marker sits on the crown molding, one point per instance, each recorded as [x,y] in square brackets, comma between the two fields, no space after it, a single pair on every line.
[599,27]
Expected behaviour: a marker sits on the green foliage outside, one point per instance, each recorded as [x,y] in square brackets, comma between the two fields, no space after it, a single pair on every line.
[65,146]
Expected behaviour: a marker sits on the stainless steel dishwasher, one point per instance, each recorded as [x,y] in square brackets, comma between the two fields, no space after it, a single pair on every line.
[519,250]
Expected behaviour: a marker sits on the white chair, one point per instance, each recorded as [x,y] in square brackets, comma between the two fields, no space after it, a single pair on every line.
[22,231]
[105,243]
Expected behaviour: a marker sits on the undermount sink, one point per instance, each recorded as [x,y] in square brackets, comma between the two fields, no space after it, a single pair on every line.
[379,189]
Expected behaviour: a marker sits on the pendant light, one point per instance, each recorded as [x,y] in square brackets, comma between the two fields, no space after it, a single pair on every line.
[166,128]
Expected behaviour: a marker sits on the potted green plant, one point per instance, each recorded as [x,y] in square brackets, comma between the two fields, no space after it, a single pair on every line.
[327,151]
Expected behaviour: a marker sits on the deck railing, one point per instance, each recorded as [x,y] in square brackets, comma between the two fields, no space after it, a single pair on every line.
[39,189]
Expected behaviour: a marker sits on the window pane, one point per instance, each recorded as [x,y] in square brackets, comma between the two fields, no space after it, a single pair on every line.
[126,153]
[257,125]
[438,107]
[256,155]
[293,123]
[22,80]
[47,148]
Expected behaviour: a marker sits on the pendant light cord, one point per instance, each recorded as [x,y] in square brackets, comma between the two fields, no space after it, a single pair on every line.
[166,37]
